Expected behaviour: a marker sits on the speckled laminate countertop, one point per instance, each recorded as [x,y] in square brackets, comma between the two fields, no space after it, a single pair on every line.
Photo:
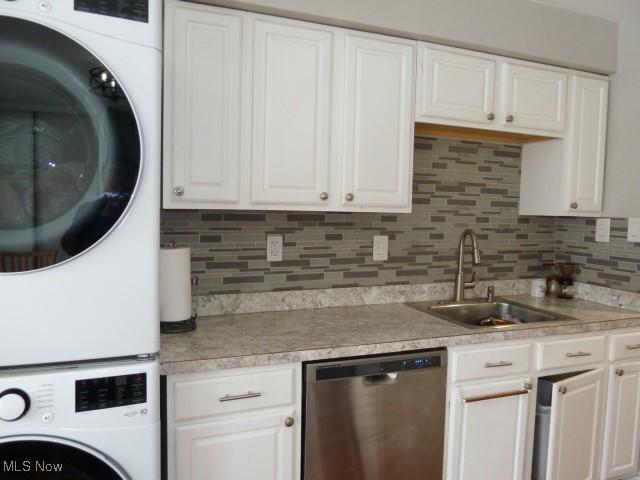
[228,341]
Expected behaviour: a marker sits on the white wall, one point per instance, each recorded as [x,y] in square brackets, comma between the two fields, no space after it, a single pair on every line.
[517,28]
[622,175]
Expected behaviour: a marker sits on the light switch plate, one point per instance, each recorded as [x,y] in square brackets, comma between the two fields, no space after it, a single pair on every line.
[274,248]
[633,230]
[603,227]
[380,248]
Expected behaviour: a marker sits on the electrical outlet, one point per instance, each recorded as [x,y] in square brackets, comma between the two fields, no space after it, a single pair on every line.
[603,227]
[274,248]
[380,248]
[633,230]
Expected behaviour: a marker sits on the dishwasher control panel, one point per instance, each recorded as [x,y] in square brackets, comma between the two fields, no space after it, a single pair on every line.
[394,364]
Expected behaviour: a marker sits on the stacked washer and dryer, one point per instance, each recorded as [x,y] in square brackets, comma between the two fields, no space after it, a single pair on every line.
[80,109]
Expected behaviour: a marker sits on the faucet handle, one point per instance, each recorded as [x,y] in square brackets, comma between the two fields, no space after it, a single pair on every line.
[472,283]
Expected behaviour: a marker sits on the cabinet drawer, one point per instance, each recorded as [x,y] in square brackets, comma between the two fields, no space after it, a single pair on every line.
[573,351]
[490,362]
[624,345]
[233,393]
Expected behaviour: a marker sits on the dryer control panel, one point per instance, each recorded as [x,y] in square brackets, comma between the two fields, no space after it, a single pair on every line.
[109,392]
[136,10]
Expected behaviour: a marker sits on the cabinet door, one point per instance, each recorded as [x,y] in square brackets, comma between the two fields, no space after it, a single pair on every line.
[455,85]
[622,431]
[378,131]
[487,431]
[576,419]
[202,105]
[249,448]
[292,105]
[589,130]
[535,97]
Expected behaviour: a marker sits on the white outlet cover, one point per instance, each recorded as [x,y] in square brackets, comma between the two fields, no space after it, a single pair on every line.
[274,248]
[380,248]
[633,230]
[603,228]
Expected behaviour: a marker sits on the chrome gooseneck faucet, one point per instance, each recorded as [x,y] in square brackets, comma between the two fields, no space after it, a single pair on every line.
[458,291]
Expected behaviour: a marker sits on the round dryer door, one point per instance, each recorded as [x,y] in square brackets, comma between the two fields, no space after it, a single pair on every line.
[51,458]
[70,154]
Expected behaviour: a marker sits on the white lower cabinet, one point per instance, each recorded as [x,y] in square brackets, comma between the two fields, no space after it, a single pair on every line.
[488,426]
[622,436]
[257,447]
[575,429]
[571,411]
[238,424]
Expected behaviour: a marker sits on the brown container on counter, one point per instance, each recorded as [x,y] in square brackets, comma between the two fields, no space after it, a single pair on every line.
[553,286]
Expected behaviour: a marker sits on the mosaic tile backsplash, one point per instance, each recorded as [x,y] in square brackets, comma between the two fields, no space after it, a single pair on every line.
[615,264]
[456,185]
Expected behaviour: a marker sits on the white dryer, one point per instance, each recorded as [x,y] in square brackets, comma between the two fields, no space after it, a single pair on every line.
[94,422]
[80,112]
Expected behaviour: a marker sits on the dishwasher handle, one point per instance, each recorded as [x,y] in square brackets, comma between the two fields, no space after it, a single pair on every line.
[381,379]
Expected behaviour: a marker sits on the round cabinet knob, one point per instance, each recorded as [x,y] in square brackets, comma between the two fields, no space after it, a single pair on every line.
[349,197]
[574,205]
[178,191]
[324,196]
[509,118]
[528,386]
[289,421]
[619,372]
[491,116]
[562,389]
[14,404]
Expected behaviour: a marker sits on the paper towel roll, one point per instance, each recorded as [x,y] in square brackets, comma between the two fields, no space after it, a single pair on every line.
[175,284]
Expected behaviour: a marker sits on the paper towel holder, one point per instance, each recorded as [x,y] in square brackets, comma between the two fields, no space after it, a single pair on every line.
[187,325]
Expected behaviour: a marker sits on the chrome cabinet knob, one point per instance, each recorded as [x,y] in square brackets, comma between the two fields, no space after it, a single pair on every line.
[324,196]
[509,118]
[528,386]
[289,421]
[619,372]
[574,205]
[178,191]
[349,197]
[491,116]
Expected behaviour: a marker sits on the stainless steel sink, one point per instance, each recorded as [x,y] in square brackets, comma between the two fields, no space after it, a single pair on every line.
[481,313]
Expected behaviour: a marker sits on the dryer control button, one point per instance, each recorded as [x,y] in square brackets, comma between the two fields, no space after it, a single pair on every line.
[47,417]
[14,404]
[44,6]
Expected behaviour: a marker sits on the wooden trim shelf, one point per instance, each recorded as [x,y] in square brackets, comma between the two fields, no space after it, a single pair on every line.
[477,134]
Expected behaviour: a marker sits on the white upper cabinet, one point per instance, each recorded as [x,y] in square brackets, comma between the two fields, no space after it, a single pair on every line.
[535,96]
[291,115]
[378,131]
[588,141]
[202,122]
[455,85]
[268,113]
[461,88]
[565,177]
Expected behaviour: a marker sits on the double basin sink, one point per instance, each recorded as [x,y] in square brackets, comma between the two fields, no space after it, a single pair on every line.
[496,314]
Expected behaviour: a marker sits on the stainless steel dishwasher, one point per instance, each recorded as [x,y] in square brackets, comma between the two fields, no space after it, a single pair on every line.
[379,418]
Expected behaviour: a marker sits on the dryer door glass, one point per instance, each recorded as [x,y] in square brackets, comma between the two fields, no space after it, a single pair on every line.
[49,459]
[70,155]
